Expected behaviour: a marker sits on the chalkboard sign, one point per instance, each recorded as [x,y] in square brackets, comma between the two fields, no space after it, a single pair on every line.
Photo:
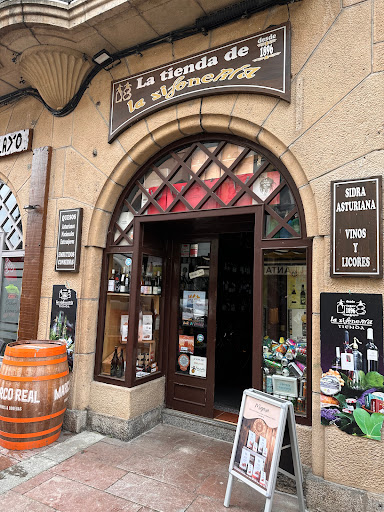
[265,444]
[356,228]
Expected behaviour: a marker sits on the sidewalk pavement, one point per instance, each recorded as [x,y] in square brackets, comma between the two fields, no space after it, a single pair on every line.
[166,469]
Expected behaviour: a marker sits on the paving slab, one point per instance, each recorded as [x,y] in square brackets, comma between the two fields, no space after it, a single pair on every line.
[167,469]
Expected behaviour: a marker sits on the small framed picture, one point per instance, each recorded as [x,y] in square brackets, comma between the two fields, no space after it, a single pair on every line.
[285,386]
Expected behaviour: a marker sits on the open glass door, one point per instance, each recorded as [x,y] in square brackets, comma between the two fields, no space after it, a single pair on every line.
[191,371]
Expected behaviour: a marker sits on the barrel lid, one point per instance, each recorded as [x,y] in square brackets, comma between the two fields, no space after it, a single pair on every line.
[35,348]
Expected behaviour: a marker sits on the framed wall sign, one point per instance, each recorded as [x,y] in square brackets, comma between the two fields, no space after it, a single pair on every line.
[69,240]
[356,230]
[265,443]
[259,63]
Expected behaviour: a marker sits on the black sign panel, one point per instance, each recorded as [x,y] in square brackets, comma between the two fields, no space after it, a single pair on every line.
[356,228]
[63,318]
[352,381]
[69,240]
[258,63]
[354,314]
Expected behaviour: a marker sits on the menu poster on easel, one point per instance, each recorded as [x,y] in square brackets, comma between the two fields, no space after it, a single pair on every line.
[257,439]
[265,444]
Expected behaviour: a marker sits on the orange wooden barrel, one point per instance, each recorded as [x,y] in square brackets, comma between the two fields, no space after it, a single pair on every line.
[34,388]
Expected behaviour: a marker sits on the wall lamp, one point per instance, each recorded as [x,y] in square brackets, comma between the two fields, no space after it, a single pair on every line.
[103,58]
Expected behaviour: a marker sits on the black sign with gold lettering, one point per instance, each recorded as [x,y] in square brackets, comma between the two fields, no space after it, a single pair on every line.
[356,228]
[258,63]
[69,240]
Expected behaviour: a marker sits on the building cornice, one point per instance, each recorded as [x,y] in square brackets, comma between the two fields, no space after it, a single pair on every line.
[53,13]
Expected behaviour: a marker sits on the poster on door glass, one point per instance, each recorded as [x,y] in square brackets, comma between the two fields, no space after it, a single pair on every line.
[352,381]
[195,308]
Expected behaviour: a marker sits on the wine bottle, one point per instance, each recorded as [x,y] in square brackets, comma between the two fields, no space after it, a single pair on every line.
[127,282]
[371,355]
[111,281]
[336,364]
[302,296]
[122,281]
[114,362]
[346,345]
[154,286]
[120,365]
[117,281]
[158,283]
[142,282]
[148,285]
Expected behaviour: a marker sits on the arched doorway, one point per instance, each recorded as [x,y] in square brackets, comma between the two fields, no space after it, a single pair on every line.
[11,265]
[206,251]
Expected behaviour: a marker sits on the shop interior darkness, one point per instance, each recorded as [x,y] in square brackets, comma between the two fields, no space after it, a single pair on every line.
[202,25]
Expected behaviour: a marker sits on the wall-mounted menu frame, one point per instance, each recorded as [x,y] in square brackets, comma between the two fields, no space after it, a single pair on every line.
[69,240]
[265,443]
[356,227]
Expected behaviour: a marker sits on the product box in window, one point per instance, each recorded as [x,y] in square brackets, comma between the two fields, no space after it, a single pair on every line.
[124,326]
[147,327]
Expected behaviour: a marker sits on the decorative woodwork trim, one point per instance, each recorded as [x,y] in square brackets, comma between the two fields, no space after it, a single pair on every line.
[34,244]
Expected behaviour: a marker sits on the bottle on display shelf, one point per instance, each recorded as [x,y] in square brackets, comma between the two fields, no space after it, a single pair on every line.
[127,283]
[117,281]
[302,296]
[114,362]
[154,286]
[142,281]
[111,281]
[122,281]
[120,364]
[148,285]
[371,354]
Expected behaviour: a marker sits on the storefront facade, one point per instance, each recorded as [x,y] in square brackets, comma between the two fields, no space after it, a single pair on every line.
[214,214]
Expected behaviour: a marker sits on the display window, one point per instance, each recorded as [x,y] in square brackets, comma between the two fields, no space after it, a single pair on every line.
[285,326]
[207,245]
[150,304]
[117,315]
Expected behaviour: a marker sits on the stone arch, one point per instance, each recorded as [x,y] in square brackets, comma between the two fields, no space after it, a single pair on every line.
[177,129]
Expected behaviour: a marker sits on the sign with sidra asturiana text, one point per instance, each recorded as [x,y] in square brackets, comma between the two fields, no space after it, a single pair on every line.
[259,63]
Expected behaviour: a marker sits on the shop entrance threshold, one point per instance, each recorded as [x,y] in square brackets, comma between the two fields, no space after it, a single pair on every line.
[217,429]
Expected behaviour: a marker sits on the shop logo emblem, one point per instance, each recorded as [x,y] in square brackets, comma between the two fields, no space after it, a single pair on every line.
[351,308]
[64,294]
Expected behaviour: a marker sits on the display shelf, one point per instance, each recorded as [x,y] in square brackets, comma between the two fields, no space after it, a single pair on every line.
[118,294]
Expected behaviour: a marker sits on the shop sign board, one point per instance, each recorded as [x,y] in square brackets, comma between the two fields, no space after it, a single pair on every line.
[63,318]
[16,142]
[356,248]
[265,444]
[259,64]
[69,240]
[352,382]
